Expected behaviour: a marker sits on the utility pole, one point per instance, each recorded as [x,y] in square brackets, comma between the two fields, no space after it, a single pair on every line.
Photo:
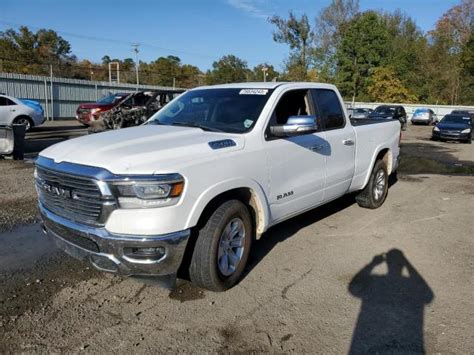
[264,70]
[135,49]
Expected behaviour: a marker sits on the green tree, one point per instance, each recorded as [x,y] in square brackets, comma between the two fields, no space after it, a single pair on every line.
[228,69]
[385,86]
[189,76]
[27,52]
[330,25]
[443,60]
[298,35]
[364,47]
[466,96]
[163,71]
[406,50]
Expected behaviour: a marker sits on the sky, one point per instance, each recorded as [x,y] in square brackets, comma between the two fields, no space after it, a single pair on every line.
[197,31]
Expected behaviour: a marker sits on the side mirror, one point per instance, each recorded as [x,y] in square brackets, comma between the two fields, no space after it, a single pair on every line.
[296,125]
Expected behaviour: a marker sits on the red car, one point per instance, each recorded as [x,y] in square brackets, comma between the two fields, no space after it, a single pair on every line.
[88,112]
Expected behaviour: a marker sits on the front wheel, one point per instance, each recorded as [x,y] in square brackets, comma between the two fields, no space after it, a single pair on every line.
[374,194]
[222,247]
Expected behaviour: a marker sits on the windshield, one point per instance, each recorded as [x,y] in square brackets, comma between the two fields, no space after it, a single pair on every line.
[421,110]
[109,99]
[224,110]
[385,110]
[456,119]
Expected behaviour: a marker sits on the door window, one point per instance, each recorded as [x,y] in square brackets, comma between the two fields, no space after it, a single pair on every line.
[292,103]
[329,109]
[6,102]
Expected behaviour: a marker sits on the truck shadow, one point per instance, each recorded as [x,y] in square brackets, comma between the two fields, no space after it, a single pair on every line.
[284,230]
[281,232]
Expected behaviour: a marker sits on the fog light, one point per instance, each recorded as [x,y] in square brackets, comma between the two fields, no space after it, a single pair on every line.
[154,253]
[103,263]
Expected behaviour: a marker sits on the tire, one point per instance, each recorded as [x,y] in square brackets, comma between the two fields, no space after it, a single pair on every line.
[24,120]
[210,256]
[374,194]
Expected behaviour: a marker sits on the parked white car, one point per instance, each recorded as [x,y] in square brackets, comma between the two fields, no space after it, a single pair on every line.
[206,175]
[19,111]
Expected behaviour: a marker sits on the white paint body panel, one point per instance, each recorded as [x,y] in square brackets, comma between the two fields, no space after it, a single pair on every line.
[267,168]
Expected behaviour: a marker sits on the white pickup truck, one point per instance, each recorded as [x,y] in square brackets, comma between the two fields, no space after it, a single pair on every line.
[193,187]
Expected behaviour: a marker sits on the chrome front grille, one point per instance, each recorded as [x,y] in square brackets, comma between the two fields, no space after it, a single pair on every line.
[83,111]
[70,196]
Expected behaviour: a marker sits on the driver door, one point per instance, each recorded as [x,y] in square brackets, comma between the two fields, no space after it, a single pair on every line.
[296,164]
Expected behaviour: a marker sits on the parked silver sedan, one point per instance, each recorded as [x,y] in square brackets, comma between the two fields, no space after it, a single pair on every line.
[424,116]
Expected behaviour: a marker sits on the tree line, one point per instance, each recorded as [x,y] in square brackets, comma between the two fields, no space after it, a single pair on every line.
[369,55]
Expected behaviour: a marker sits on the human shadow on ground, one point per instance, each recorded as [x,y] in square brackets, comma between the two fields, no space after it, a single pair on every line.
[391,316]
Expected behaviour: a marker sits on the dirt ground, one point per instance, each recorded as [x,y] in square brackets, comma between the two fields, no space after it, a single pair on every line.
[336,279]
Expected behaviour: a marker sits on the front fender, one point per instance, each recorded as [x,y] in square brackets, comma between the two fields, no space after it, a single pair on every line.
[209,194]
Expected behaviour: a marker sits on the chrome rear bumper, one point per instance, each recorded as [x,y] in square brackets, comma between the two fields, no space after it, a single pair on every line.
[115,253]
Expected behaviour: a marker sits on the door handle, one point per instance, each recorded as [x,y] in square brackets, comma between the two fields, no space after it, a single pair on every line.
[348,142]
[315,148]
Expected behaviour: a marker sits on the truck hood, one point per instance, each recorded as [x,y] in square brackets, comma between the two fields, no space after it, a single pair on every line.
[144,149]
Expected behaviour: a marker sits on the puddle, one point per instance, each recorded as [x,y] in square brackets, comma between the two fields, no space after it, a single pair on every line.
[23,246]
[184,292]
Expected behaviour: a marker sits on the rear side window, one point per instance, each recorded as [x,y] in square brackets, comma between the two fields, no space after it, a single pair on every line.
[329,109]
[6,102]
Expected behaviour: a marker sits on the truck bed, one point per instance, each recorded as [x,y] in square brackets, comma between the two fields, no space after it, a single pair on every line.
[370,139]
[367,121]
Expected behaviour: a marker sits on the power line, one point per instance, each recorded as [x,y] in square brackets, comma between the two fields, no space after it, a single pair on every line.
[110,40]
[118,41]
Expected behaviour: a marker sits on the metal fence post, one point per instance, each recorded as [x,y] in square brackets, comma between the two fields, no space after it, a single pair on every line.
[52,94]
[46,106]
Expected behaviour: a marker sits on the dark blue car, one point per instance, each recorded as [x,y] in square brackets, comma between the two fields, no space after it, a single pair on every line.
[454,127]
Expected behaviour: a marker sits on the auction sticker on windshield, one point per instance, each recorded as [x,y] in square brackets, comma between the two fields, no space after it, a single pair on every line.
[253,92]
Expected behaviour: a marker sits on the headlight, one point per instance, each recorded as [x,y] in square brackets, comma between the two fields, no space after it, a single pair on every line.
[165,190]
[96,110]
[436,129]
[467,130]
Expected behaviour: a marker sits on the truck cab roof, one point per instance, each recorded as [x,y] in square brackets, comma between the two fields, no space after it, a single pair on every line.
[268,85]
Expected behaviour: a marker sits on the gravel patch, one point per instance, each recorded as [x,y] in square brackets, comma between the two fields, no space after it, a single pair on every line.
[17,194]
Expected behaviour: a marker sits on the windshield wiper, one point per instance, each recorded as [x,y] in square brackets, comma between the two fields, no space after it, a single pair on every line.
[196,125]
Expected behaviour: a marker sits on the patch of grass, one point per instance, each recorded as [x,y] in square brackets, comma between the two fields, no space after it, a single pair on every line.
[418,165]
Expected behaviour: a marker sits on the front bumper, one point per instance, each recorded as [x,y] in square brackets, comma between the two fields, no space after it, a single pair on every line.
[108,252]
[84,118]
[420,120]
[450,135]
